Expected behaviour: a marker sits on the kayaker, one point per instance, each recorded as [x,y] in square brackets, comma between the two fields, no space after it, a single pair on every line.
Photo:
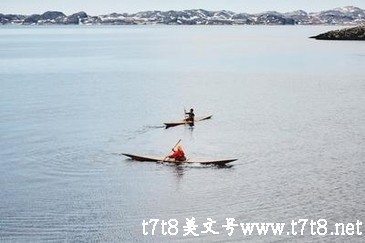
[191,116]
[178,154]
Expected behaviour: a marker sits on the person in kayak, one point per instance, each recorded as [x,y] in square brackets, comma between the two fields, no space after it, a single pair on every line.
[178,154]
[191,116]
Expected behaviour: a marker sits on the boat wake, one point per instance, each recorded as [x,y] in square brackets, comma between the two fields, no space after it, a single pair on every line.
[143,130]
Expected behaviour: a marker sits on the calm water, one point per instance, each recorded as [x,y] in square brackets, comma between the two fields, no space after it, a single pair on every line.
[73,98]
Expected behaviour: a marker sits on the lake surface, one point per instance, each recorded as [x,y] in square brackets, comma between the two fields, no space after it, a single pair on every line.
[290,108]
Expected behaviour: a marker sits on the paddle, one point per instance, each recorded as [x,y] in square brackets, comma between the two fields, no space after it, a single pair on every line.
[170,152]
[185,117]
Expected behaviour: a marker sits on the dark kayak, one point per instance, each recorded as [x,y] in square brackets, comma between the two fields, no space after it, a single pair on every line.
[167,160]
[185,122]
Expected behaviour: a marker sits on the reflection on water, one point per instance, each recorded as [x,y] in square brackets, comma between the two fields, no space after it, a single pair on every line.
[179,171]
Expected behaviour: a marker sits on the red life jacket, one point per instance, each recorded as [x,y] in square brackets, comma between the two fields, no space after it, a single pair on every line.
[178,155]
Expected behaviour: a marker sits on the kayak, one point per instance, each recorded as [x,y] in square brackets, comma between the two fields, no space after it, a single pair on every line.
[185,122]
[168,160]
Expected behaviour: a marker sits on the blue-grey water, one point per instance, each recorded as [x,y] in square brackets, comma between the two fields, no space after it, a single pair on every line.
[290,108]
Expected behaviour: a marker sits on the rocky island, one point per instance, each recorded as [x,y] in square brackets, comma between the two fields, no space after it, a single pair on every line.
[354,33]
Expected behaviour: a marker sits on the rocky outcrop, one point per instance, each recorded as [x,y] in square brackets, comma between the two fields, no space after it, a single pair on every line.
[11,18]
[274,18]
[299,16]
[355,33]
[339,16]
[52,15]
[33,19]
[49,17]
[76,18]
[345,15]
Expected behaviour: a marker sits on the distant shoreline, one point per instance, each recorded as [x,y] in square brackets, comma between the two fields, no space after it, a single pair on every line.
[339,16]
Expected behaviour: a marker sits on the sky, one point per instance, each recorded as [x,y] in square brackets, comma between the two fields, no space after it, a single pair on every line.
[96,7]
